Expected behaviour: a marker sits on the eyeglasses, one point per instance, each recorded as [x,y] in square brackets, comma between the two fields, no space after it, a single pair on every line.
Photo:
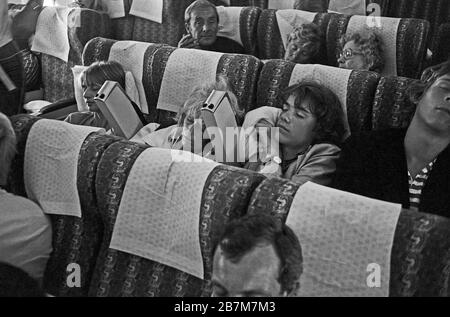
[348,53]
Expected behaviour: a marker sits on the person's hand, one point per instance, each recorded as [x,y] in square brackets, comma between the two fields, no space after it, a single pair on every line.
[187,41]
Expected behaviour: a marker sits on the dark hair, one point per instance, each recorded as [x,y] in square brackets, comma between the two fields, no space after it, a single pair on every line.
[198,4]
[312,5]
[311,33]
[244,234]
[99,72]
[417,88]
[371,47]
[326,108]
[15,282]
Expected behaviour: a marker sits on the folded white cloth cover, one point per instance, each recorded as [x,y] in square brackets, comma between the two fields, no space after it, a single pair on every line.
[229,23]
[148,9]
[51,35]
[115,8]
[346,242]
[281,4]
[130,87]
[335,79]
[159,214]
[50,167]
[288,19]
[130,55]
[186,69]
[350,7]
[386,29]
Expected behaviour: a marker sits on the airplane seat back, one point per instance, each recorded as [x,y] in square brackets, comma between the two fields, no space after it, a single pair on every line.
[225,195]
[57,77]
[419,255]
[392,107]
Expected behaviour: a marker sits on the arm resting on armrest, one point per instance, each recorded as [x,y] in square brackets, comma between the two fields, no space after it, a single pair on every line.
[59,110]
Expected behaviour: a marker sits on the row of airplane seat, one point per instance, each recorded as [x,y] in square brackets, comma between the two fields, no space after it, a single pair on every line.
[257,30]
[116,237]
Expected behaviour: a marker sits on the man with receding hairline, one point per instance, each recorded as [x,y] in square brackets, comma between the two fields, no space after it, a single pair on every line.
[202,24]
[257,256]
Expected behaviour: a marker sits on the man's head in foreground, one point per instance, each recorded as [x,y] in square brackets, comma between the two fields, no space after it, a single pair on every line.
[258,255]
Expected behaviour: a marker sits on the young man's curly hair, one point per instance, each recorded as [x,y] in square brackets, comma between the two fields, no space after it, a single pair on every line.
[371,47]
[325,106]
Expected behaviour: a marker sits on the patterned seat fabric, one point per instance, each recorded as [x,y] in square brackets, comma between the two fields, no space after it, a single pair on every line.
[392,107]
[57,75]
[420,257]
[251,3]
[22,125]
[441,45]
[242,72]
[77,240]
[361,87]
[122,28]
[274,196]
[226,195]
[270,44]
[436,12]
[248,26]
[170,31]
[336,29]
[99,49]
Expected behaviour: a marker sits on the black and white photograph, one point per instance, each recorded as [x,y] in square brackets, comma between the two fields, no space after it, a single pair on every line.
[198,149]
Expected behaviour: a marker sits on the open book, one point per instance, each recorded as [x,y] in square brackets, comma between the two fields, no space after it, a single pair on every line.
[123,116]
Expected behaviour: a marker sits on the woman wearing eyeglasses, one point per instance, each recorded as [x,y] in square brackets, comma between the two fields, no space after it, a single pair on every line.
[361,51]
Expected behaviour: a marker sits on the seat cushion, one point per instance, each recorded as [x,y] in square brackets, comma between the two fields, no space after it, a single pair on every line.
[77,240]
[57,75]
[242,72]
[392,107]
[420,255]
[122,28]
[169,32]
[22,125]
[434,11]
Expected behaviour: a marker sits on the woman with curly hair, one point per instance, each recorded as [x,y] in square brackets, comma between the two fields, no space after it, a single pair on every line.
[361,51]
[304,44]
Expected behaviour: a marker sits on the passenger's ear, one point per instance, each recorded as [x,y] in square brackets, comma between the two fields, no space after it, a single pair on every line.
[186,26]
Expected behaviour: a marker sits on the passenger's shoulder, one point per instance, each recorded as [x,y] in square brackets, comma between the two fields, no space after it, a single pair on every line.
[324,149]
[375,138]
[227,45]
[20,207]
